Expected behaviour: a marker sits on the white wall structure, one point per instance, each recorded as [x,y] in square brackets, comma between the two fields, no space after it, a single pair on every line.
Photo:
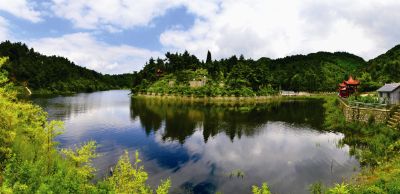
[390,93]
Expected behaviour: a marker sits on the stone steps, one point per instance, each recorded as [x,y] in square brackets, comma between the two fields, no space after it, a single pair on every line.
[392,123]
[394,120]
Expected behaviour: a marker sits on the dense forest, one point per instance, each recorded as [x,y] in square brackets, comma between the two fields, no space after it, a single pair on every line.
[234,76]
[386,67]
[55,74]
[315,72]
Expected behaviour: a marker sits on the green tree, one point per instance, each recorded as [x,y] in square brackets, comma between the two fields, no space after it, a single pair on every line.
[82,158]
[132,179]
[209,60]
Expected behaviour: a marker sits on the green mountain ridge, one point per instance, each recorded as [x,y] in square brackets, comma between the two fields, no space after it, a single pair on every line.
[386,67]
[55,74]
[314,72]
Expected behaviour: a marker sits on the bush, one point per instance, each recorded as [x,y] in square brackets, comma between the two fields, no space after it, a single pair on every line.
[365,99]
[267,91]
[261,190]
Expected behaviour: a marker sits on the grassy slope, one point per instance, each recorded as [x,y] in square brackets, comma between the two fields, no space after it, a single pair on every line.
[376,146]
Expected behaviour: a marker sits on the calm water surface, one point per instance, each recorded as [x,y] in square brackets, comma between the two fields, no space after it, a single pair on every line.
[199,145]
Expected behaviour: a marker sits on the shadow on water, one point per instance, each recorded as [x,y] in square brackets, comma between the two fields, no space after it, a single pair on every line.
[235,120]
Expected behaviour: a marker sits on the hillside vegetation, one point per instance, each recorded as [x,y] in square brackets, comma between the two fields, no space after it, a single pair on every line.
[386,67]
[315,72]
[234,76]
[53,74]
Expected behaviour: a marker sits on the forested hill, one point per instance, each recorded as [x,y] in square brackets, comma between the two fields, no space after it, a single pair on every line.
[316,72]
[55,74]
[386,67]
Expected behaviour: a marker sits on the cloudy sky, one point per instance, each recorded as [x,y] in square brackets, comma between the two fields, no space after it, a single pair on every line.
[117,36]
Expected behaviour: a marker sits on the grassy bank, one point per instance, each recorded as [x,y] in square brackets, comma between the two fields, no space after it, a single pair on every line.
[377,148]
[230,99]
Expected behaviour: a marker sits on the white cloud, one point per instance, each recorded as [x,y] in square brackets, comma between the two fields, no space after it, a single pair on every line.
[4,32]
[85,50]
[301,150]
[106,14]
[255,28]
[21,8]
[259,28]
[124,14]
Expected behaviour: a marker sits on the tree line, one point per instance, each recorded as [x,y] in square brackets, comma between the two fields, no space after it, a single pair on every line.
[55,74]
[315,72]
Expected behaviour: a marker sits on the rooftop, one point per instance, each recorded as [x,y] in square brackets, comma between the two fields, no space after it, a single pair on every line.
[389,87]
[352,81]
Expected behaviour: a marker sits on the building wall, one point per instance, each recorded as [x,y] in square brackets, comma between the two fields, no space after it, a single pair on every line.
[196,84]
[395,96]
[383,96]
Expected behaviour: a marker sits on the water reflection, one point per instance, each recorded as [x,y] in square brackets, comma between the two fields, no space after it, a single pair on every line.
[235,120]
[197,145]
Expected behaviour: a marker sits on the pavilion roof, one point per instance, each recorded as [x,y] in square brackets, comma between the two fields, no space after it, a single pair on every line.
[352,81]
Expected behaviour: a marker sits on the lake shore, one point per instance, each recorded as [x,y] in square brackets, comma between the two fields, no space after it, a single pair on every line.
[232,99]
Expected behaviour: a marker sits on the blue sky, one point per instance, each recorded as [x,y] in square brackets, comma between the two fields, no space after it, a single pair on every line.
[118,36]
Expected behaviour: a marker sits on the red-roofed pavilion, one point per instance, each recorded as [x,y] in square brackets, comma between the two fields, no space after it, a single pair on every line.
[346,88]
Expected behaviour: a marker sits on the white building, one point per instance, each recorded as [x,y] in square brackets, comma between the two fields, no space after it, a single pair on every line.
[390,93]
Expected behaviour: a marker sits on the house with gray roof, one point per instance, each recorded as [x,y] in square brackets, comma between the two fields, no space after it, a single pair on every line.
[390,93]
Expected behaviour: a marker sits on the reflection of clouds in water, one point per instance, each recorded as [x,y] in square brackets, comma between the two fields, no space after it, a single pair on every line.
[281,154]
[64,107]
[97,121]
[168,143]
[197,146]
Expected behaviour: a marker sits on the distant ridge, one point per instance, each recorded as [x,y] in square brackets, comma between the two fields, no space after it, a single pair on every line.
[54,74]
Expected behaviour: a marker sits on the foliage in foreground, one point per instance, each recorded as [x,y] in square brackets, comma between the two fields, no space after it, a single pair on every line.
[132,179]
[30,162]
[261,190]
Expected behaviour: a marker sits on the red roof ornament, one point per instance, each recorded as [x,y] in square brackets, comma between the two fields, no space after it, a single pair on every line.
[352,81]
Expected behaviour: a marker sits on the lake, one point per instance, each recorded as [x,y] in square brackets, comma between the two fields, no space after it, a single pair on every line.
[203,146]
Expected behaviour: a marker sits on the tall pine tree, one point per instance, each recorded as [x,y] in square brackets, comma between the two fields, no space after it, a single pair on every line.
[208,57]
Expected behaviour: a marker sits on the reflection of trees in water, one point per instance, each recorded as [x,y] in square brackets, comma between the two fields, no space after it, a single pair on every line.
[235,120]
[62,108]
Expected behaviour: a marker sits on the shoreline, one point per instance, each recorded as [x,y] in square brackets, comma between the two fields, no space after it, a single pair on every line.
[230,99]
